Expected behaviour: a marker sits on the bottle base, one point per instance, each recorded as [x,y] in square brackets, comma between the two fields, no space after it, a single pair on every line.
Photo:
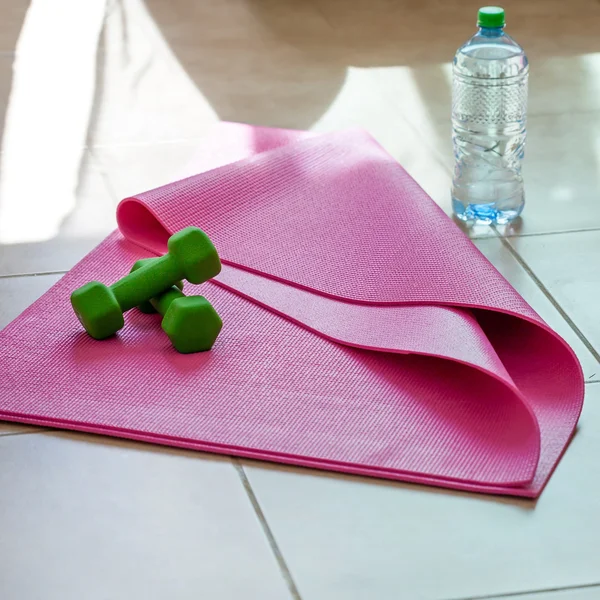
[484,214]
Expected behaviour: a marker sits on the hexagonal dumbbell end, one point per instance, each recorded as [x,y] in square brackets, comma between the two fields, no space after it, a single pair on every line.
[97,309]
[146,307]
[194,254]
[192,324]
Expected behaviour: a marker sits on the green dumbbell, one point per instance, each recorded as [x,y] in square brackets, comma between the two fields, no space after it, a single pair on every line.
[146,307]
[191,322]
[100,308]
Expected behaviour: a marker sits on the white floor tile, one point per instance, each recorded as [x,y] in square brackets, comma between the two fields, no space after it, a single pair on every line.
[589,593]
[565,84]
[566,265]
[143,93]
[503,260]
[135,169]
[355,538]
[561,173]
[77,212]
[17,293]
[86,517]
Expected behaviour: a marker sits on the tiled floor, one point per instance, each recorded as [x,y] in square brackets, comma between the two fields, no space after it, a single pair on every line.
[351,538]
[93,112]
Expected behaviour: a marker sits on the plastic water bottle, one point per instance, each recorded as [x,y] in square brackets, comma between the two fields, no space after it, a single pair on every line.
[489,106]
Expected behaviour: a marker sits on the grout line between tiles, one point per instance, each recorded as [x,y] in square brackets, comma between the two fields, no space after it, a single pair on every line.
[16,275]
[584,586]
[543,233]
[550,297]
[28,432]
[267,531]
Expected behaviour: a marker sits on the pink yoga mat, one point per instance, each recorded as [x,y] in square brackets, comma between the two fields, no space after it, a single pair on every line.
[363,333]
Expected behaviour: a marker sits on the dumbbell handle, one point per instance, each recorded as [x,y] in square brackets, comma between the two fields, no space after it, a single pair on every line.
[146,282]
[162,302]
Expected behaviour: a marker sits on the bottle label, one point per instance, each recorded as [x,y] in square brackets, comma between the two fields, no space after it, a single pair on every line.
[489,102]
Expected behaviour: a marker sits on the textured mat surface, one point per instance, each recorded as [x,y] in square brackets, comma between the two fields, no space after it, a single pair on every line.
[363,331]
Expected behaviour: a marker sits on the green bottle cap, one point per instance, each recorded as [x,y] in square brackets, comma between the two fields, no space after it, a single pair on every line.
[491,16]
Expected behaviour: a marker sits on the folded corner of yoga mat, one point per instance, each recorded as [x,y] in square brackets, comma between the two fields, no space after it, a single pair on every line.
[364,333]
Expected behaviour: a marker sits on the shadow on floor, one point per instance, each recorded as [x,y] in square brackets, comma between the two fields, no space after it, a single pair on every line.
[282,62]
